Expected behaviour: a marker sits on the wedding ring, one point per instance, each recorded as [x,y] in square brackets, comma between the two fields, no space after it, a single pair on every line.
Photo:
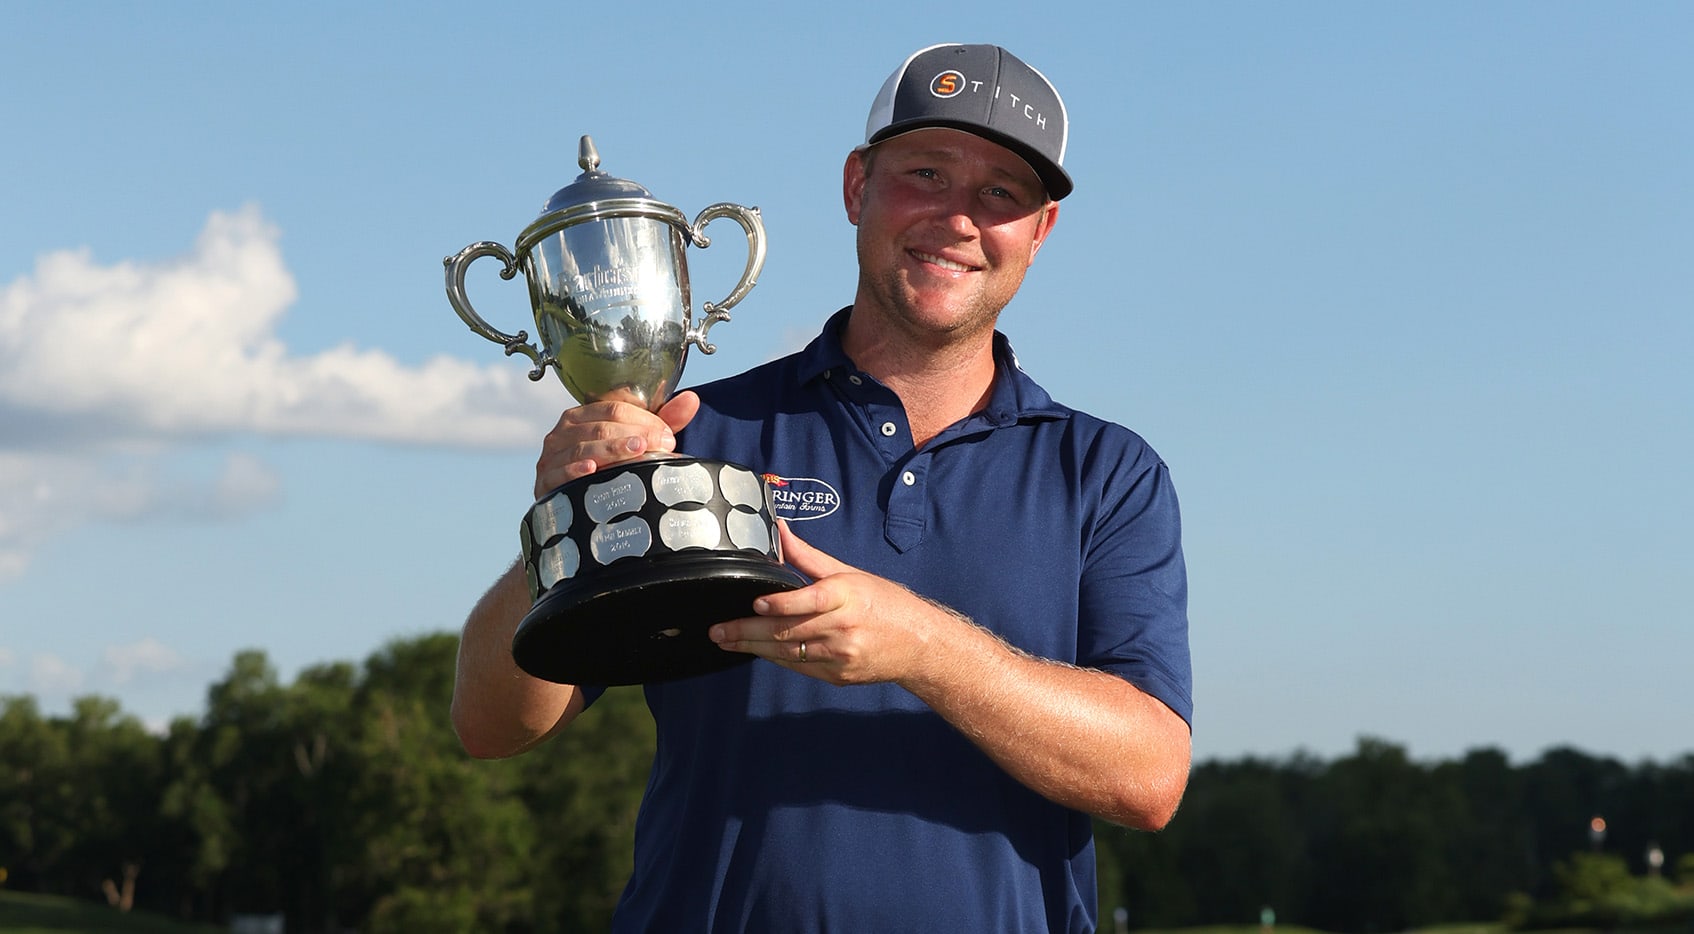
[802,651]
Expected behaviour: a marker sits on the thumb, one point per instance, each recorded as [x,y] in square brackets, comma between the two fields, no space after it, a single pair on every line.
[804,558]
[680,409]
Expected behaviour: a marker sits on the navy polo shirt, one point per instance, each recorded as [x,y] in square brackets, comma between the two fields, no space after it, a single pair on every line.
[779,803]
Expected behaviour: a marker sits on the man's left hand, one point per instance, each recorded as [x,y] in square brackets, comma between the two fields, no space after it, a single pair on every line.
[846,627]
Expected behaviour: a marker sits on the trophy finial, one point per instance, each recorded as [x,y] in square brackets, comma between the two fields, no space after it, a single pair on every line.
[587,156]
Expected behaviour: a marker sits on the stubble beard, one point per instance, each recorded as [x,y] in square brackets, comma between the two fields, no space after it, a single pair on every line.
[896,307]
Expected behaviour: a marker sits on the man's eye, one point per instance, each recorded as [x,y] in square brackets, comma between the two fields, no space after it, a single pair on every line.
[924,173]
[998,192]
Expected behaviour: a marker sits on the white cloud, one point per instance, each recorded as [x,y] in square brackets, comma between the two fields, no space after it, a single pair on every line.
[44,494]
[52,677]
[39,499]
[120,664]
[245,482]
[188,348]
[107,371]
[56,682]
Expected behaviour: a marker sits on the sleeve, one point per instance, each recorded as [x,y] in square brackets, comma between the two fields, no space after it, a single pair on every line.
[1133,612]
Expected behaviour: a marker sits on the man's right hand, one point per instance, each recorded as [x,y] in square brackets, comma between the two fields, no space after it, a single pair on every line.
[600,434]
[498,710]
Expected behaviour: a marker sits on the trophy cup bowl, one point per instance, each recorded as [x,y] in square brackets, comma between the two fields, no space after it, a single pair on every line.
[630,566]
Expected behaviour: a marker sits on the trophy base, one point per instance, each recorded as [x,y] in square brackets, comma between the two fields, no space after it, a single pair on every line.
[629,567]
[646,624]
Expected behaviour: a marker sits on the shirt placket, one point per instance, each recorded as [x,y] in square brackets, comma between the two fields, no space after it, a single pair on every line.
[907,515]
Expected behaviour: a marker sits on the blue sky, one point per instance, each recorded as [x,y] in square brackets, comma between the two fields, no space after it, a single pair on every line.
[1402,292]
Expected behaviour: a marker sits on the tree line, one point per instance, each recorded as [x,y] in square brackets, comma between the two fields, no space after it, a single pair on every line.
[342,800]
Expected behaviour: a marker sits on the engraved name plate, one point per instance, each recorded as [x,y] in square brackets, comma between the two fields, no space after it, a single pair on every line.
[741,487]
[689,528]
[621,494]
[557,562]
[687,484]
[747,530]
[550,517]
[627,539]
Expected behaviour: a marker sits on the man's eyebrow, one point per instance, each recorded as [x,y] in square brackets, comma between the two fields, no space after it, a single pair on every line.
[934,153]
[943,154]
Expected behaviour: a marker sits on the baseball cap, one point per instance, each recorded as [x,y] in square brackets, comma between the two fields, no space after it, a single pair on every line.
[981,89]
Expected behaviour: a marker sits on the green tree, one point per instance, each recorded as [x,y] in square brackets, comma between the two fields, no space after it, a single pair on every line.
[247,755]
[1244,845]
[78,800]
[319,726]
[1490,843]
[344,800]
[199,828]
[447,839]
[262,791]
[1379,825]
[1563,791]
[583,788]
[35,796]
[118,775]
[1149,883]
[1597,890]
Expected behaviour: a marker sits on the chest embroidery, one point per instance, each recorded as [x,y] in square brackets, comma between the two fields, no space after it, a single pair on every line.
[799,498]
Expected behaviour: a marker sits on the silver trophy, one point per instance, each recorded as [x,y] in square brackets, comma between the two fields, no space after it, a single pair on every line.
[628,567]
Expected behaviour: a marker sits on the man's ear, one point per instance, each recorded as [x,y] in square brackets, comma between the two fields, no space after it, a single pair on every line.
[1049,219]
[853,185]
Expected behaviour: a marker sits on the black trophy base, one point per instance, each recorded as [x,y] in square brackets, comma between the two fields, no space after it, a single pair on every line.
[646,623]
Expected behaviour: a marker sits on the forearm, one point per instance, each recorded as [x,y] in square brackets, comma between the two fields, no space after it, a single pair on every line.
[1080,737]
[498,710]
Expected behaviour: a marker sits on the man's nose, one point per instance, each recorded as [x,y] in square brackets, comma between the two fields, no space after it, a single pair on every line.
[958,211]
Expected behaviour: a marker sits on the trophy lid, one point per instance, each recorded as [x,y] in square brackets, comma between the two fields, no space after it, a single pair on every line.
[597,196]
[593,184]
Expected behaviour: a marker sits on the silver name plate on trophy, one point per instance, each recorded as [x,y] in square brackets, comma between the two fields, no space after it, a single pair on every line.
[695,506]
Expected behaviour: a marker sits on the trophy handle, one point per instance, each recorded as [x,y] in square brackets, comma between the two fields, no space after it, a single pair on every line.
[713,312]
[461,302]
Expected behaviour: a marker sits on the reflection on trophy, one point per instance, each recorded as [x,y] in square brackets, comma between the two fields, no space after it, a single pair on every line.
[629,567]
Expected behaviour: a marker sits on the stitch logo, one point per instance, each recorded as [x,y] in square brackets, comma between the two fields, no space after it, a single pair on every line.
[947,84]
[799,498]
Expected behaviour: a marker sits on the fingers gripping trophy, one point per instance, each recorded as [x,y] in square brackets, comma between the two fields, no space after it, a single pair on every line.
[630,566]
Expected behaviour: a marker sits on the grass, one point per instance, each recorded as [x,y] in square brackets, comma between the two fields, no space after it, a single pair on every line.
[23,913]
[1479,927]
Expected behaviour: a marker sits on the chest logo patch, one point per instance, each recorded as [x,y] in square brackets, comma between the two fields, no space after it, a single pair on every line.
[800,498]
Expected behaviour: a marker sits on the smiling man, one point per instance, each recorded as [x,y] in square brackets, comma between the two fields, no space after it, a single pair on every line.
[993,648]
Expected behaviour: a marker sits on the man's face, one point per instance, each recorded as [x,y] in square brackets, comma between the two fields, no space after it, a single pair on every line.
[948,223]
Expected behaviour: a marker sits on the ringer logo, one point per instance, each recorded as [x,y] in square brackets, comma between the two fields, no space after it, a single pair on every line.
[947,84]
[800,498]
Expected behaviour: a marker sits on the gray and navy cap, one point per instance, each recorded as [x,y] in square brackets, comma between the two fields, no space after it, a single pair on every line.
[981,89]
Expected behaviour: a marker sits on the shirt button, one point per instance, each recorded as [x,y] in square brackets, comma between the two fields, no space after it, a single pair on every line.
[908,478]
[855,380]
[888,429]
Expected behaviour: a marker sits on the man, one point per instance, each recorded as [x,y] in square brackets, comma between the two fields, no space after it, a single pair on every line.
[994,645]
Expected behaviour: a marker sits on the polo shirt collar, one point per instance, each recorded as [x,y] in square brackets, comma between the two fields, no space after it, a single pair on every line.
[1014,396]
